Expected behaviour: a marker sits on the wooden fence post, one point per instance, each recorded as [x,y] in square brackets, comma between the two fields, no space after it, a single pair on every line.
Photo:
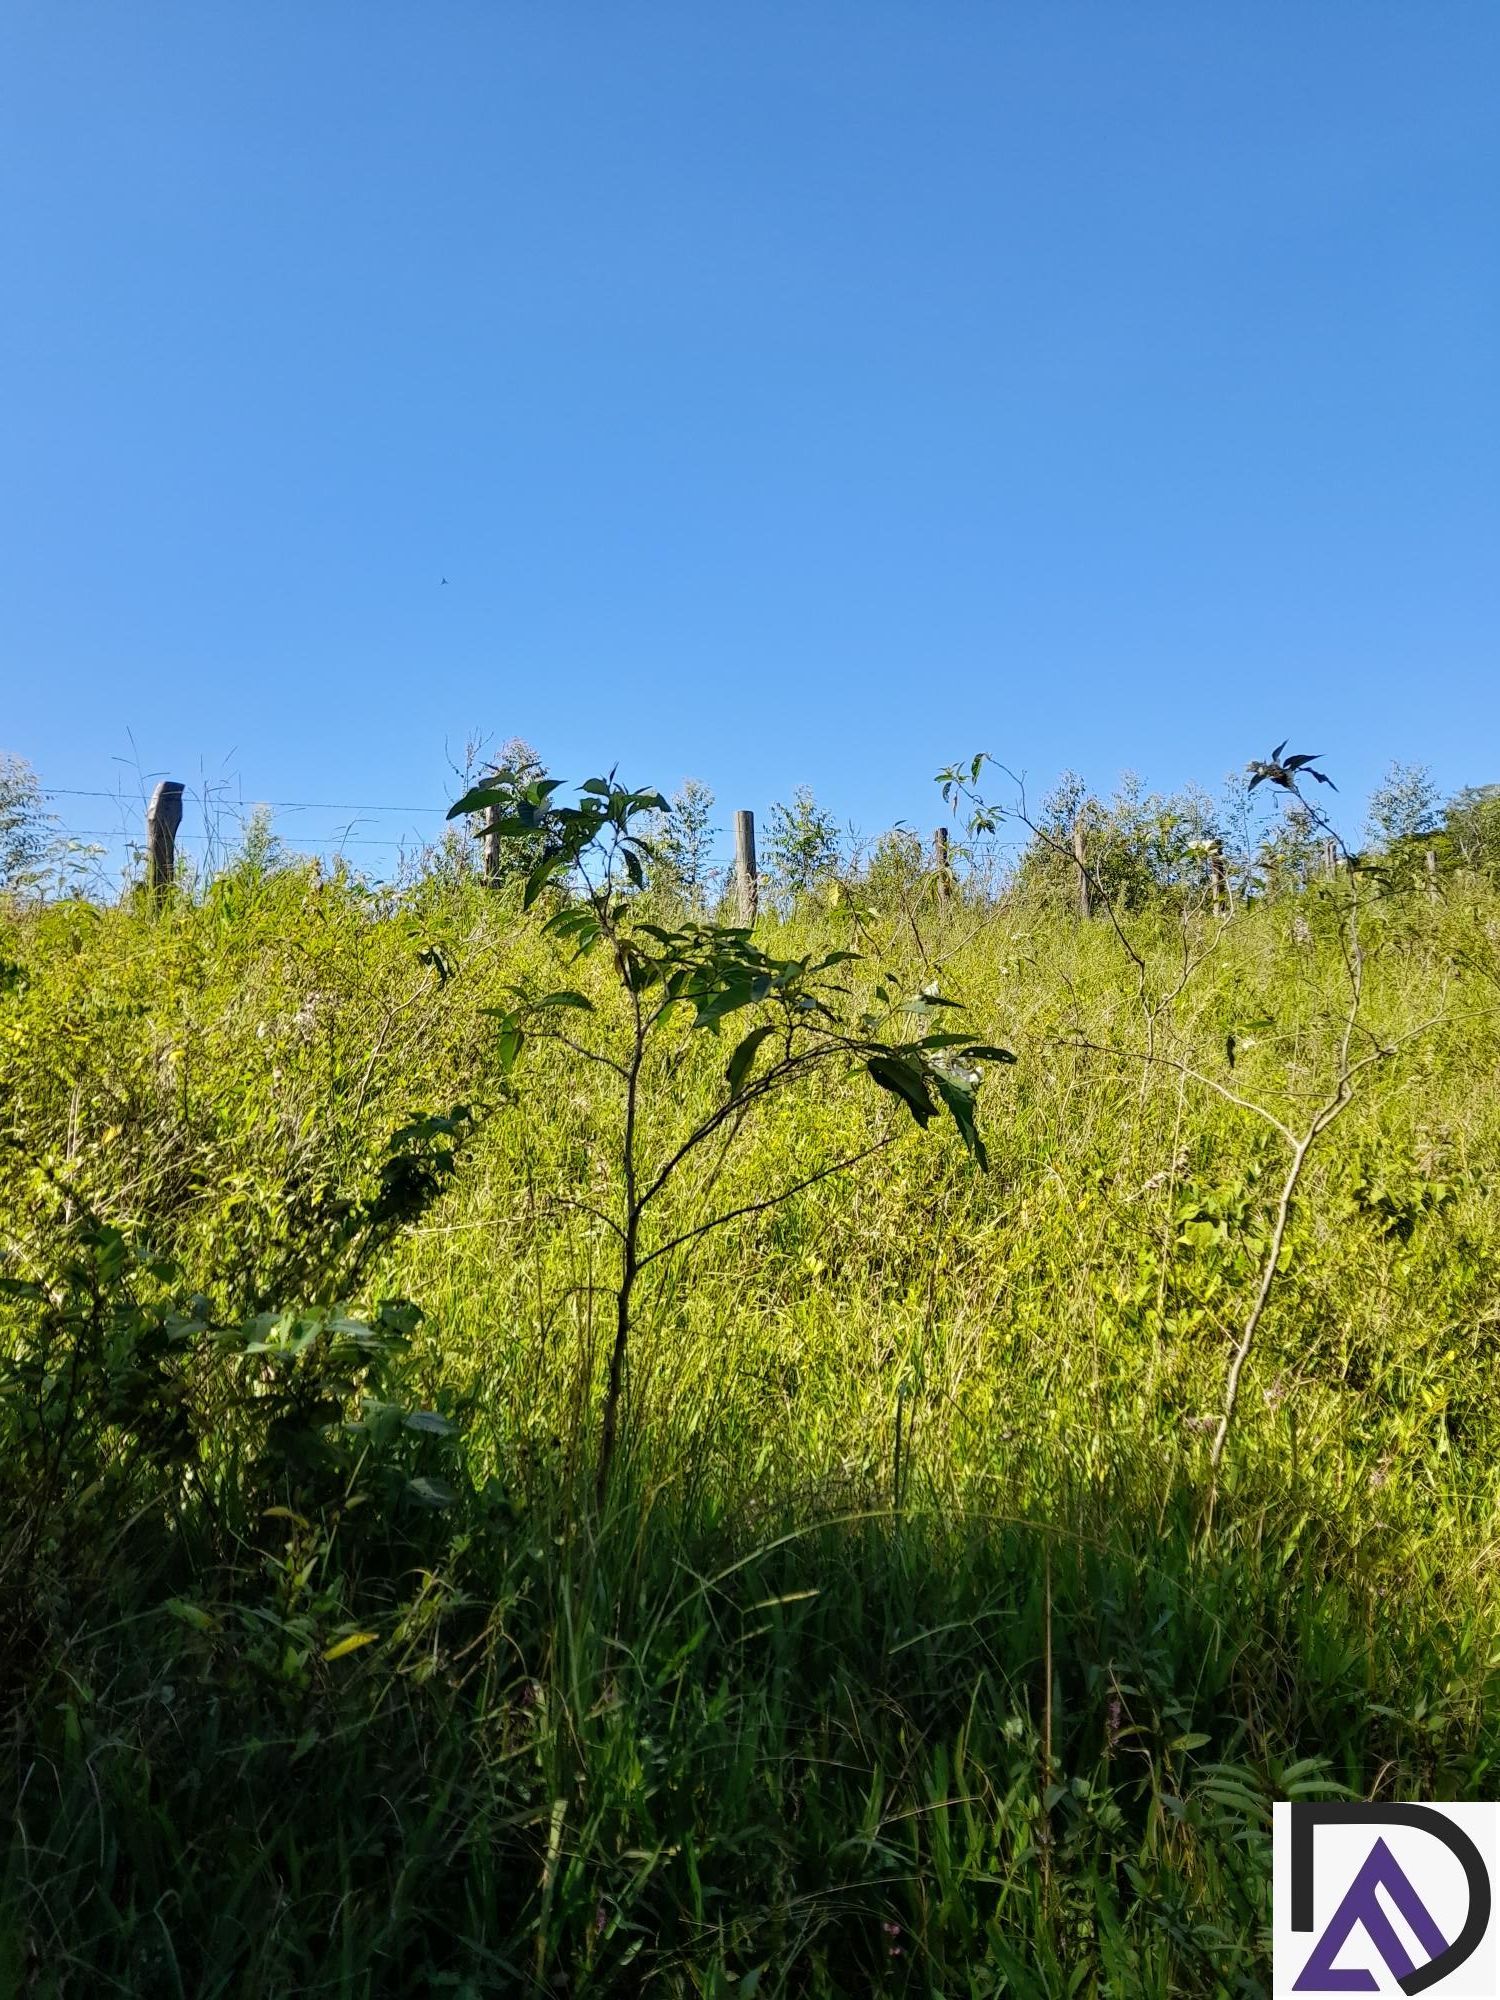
[490,844]
[1429,862]
[747,882]
[940,864]
[163,817]
[1219,876]
[1330,858]
[1080,862]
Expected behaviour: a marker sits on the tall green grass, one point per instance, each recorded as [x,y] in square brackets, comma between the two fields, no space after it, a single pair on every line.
[909,1655]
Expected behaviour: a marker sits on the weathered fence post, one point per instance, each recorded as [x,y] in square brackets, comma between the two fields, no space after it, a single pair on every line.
[1429,862]
[1330,858]
[1218,875]
[490,844]
[747,882]
[163,817]
[1080,862]
[940,864]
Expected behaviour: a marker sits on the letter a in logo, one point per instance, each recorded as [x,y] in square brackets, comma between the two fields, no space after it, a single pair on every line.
[1361,1906]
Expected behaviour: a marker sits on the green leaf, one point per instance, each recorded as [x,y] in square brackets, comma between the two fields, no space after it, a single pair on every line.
[399,1316]
[582,925]
[989,1052]
[478,800]
[741,1061]
[431,1423]
[192,1614]
[638,972]
[431,1492]
[730,998]
[538,879]
[905,1081]
[342,1647]
[352,1329]
[959,1099]
[510,826]
[566,999]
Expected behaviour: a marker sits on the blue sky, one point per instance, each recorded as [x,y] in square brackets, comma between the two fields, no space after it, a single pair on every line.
[789,393]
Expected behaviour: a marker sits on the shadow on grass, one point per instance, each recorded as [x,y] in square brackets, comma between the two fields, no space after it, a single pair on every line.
[857,1755]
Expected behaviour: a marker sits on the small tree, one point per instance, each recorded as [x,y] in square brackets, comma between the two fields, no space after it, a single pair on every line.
[682,842]
[24,825]
[1241,816]
[1404,808]
[676,984]
[802,849]
[1142,849]
[261,851]
[897,871]
[1289,855]
[508,771]
[1471,820]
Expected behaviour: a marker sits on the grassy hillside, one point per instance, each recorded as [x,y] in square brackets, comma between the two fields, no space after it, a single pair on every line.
[916,1647]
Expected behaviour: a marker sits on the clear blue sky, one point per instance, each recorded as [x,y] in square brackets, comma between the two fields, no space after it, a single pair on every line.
[790,393]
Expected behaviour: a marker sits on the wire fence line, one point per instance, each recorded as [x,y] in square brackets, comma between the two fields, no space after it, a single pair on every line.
[222,819]
[118,833]
[151,841]
[85,853]
[222,823]
[239,805]
[332,840]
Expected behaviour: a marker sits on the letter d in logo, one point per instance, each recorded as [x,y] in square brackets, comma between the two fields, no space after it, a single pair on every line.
[1385,1899]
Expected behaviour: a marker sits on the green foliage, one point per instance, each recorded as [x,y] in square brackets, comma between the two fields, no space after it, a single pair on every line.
[1472,823]
[23,828]
[682,841]
[117,1368]
[676,982]
[802,849]
[1292,853]
[324,1673]
[1142,850]
[1404,807]
[37,858]
[898,875]
[261,850]
[512,769]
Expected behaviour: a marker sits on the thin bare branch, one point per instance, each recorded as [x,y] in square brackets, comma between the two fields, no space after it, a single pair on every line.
[1156,1060]
[769,1201]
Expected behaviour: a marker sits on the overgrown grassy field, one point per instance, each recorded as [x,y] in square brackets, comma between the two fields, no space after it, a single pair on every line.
[916,1647]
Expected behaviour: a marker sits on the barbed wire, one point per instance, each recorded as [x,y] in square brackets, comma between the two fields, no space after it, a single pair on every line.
[240,805]
[217,843]
[119,833]
[214,809]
